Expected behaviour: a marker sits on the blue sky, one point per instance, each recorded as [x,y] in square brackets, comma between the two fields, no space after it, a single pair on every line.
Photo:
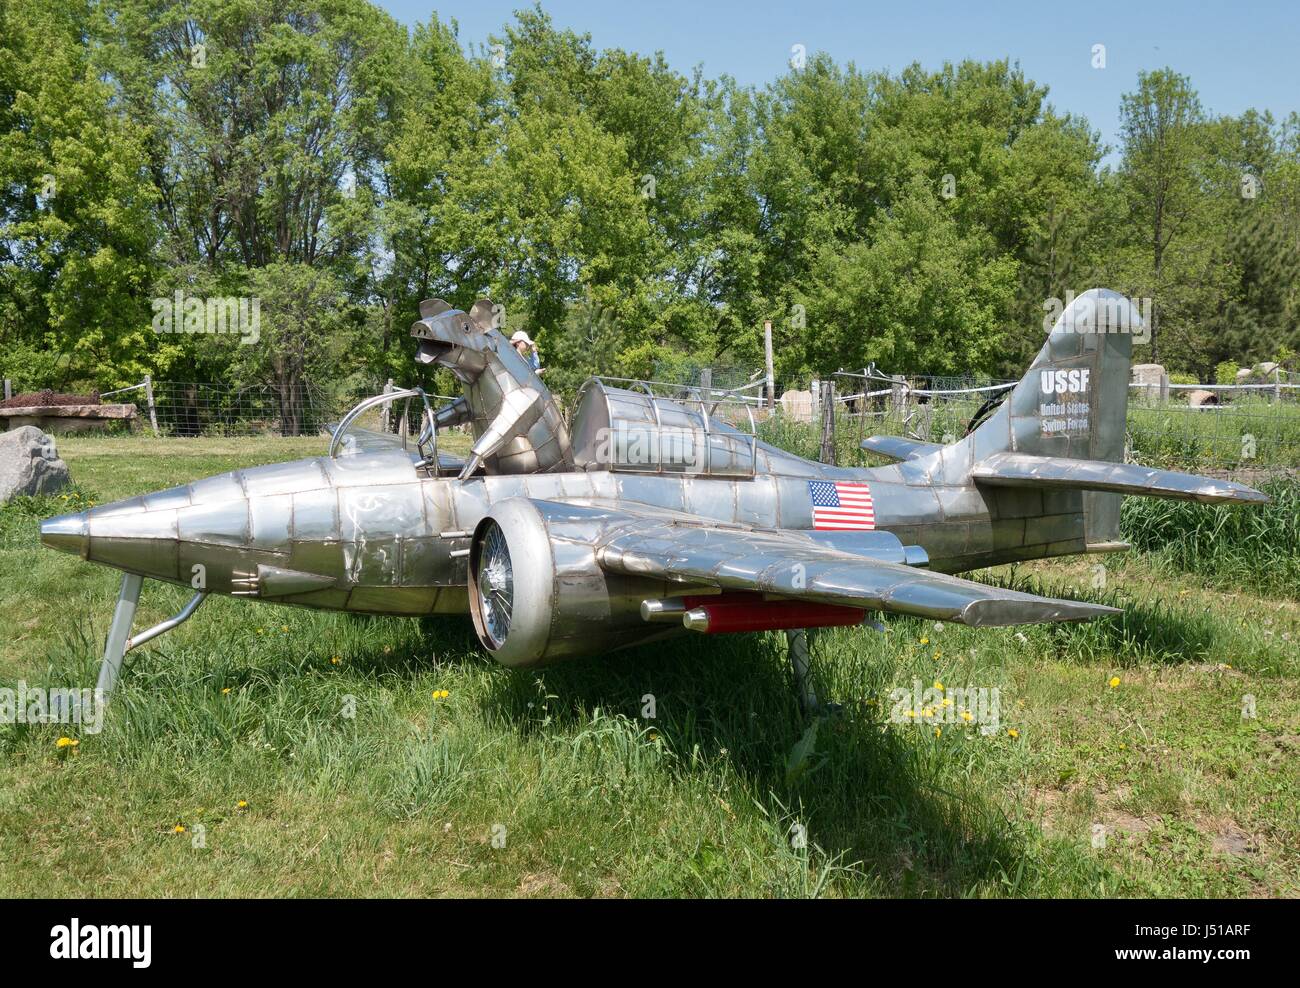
[1238,55]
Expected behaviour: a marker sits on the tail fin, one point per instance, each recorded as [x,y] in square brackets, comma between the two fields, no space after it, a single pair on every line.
[1065,422]
[1073,402]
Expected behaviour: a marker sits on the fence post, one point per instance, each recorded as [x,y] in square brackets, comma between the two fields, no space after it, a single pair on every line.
[148,397]
[1277,384]
[386,415]
[706,383]
[9,389]
[816,389]
[771,375]
[827,454]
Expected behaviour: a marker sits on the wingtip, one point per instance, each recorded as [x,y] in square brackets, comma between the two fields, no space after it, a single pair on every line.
[996,612]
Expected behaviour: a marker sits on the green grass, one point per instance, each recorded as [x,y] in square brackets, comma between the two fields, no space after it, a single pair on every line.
[358,780]
[1225,545]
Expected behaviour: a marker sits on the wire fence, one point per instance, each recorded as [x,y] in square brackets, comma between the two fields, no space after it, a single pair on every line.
[1241,431]
[187,408]
[1238,431]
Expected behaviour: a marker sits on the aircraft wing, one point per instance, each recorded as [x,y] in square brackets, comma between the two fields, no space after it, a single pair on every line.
[798,566]
[898,448]
[1025,470]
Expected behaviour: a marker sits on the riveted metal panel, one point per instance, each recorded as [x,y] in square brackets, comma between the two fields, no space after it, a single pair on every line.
[218,522]
[380,511]
[270,519]
[368,469]
[316,515]
[222,487]
[323,557]
[173,497]
[284,478]
[156,557]
[392,600]
[372,562]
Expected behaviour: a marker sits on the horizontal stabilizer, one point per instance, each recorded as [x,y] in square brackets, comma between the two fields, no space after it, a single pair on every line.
[898,448]
[1058,472]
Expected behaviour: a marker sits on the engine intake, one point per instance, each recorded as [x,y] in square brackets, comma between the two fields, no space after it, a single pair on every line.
[538,594]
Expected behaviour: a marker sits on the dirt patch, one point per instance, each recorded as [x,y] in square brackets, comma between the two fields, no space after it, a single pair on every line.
[542,886]
[48,399]
[1235,841]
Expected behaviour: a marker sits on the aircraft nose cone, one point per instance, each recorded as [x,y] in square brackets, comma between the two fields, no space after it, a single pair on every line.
[68,533]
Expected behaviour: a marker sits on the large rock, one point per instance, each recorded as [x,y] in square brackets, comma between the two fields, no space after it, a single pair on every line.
[797,405]
[29,464]
[1152,382]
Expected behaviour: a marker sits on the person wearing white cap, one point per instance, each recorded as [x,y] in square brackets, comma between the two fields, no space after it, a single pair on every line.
[527,349]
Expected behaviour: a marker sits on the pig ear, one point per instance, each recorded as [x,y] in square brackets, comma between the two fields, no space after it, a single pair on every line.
[431,307]
[485,315]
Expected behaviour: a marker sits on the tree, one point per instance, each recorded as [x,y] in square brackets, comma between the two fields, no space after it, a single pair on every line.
[1162,127]
[76,209]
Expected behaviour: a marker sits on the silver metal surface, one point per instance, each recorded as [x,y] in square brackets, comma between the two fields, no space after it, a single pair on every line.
[119,633]
[162,627]
[560,548]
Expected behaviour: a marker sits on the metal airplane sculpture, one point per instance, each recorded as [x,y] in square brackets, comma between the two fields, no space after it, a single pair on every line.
[651,517]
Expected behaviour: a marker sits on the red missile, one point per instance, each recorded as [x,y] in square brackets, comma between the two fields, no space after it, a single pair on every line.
[725,617]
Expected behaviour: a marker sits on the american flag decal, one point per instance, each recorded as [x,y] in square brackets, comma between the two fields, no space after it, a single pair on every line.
[840,506]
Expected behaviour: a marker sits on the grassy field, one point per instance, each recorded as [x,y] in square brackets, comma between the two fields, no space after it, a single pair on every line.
[306,753]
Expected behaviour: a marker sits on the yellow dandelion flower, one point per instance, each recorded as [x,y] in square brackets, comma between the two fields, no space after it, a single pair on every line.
[284,628]
[910,713]
[928,712]
[967,716]
[938,731]
[335,660]
[67,743]
[260,630]
[925,641]
[178,829]
[947,701]
[441,694]
[938,685]
[225,690]
[242,804]
[1114,682]
[1012,732]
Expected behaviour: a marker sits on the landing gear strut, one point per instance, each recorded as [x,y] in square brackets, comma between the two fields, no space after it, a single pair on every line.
[796,640]
[120,640]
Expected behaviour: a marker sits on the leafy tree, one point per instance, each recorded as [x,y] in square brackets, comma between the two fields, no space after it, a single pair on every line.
[76,210]
[1164,144]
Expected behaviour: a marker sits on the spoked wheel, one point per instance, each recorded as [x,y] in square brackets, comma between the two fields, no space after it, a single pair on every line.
[495,583]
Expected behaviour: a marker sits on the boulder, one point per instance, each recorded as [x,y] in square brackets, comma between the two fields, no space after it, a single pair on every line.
[797,405]
[1202,397]
[29,464]
[1152,382]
